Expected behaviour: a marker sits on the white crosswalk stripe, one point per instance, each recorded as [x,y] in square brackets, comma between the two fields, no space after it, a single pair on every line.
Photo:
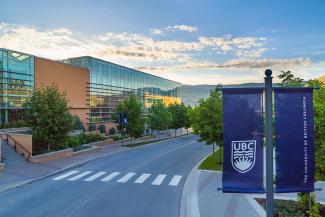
[93,177]
[159,179]
[74,178]
[175,180]
[66,175]
[142,178]
[110,177]
[126,177]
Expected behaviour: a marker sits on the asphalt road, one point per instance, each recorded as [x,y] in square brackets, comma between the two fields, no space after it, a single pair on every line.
[140,182]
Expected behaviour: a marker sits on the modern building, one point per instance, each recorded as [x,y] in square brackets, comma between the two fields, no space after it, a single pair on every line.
[94,87]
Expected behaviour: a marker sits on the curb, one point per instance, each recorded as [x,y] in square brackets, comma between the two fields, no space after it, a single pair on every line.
[72,166]
[189,200]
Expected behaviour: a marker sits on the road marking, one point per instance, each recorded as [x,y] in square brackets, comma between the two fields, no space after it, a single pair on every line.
[93,177]
[110,176]
[142,178]
[79,176]
[158,180]
[126,177]
[175,180]
[66,175]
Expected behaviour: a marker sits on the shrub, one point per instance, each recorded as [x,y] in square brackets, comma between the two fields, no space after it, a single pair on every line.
[78,125]
[102,128]
[112,131]
[21,123]
[72,141]
[6,125]
[284,208]
[92,127]
[85,139]
[303,204]
[13,124]
[116,137]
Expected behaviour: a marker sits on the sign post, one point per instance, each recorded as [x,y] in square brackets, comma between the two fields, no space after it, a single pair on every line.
[269,145]
[123,120]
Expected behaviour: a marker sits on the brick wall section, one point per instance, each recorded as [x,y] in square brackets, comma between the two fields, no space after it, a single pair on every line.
[73,80]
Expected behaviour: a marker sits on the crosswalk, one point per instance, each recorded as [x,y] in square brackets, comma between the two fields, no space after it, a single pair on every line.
[119,177]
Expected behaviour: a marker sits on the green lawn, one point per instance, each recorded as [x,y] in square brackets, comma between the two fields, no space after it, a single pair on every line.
[212,162]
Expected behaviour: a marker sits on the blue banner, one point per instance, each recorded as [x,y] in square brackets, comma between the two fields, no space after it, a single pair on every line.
[243,140]
[294,139]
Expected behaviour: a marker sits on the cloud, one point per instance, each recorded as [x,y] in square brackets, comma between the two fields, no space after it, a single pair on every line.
[63,43]
[156,31]
[236,64]
[150,54]
[175,28]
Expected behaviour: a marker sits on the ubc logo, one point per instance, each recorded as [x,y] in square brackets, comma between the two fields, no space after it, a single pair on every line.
[243,155]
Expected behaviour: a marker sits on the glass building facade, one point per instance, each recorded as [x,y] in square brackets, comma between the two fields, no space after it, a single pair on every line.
[16,83]
[111,83]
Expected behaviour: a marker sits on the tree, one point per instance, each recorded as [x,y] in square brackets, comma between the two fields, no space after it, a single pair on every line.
[206,119]
[289,80]
[77,123]
[47,115]
[187,123]
[319,119]
[102,128]
[159,117]
[133,110]
[178,114]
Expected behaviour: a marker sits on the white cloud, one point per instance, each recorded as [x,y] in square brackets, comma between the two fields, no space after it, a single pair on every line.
[236,64]
[182,28]
[175,28]
[152,55]
[156,31]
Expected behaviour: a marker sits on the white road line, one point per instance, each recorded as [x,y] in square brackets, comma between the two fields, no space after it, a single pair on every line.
[79,176]
[66,175]
[142,178]
[126,177]
[110,177]
[93,177]
[158,180]
[175,180]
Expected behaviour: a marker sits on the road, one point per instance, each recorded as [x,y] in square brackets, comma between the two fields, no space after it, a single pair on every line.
[139,182]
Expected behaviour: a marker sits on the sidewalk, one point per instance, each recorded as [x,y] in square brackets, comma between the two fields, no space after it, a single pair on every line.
[215,203]
[20,175]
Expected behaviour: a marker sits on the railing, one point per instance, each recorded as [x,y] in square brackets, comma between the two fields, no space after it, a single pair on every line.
[16,143]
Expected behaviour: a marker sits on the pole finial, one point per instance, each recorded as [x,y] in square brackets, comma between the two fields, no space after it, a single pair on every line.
[268,72]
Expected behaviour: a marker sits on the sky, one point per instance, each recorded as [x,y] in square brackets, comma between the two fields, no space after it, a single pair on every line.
[189,41]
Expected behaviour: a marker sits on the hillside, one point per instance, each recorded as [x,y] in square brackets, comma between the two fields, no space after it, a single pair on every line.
[192,93]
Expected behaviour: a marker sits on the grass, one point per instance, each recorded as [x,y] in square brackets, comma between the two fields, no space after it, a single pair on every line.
[212,162]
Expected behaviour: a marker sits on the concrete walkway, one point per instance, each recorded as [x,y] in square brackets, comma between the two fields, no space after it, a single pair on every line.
[16,176]
[217,204]
[214,203]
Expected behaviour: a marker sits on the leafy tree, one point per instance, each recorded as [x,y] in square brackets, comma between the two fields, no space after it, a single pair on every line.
[47,115]
[92,127]
[77,123]
[112,131]
[159,117]
[133,109]
[289,80]
[102,128]
[178,114]
[187,123]
[319,119]
[206,119]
